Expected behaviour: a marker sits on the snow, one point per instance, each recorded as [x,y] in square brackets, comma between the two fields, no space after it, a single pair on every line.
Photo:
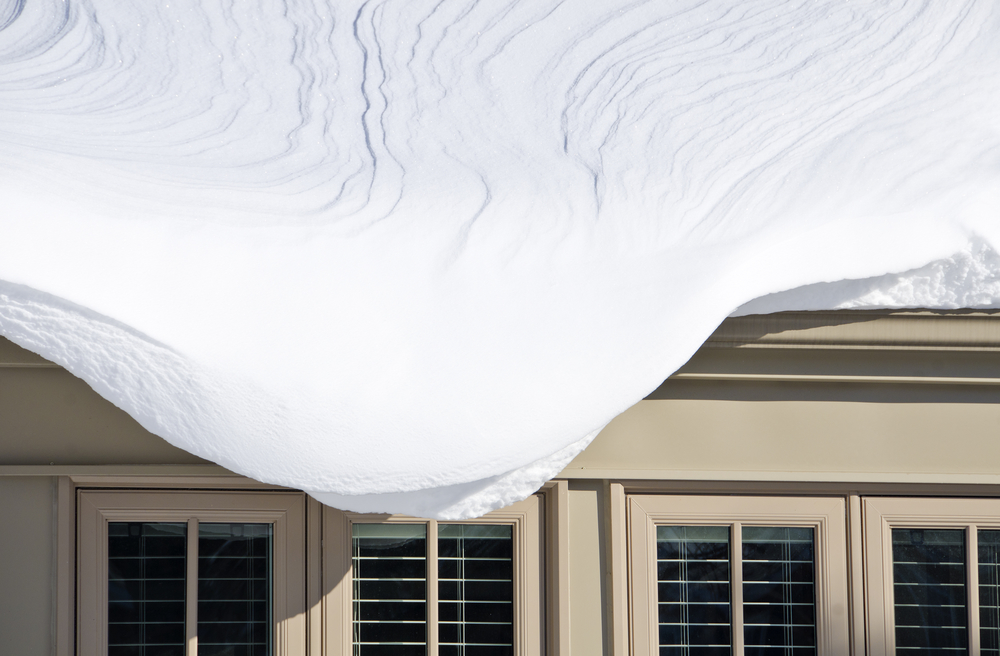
[412,256]
[968,279]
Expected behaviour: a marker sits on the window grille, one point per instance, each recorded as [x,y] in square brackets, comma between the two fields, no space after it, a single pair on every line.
[692,564]
[737,575]
[476,590]
[146,588]
[779,609]
[234,589]
[390,589]
[989,592]
[694,589]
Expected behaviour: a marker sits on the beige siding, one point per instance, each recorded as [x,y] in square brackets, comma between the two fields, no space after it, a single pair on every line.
[47,415]
[707,438]
[26,565]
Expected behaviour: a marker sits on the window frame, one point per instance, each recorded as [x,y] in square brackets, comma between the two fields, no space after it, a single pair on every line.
[880,516]
[285,511]
[527,521]
[827,516]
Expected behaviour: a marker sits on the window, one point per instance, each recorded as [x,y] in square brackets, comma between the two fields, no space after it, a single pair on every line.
[932,575]
[742,576]
[407,586]
[165,573]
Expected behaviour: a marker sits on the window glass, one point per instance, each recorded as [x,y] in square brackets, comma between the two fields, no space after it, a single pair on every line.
[234,589]
[693,573]
[476,590]
[694,593]
[989,592]
[146,590]
[778,591]
[390,589]
[928,570]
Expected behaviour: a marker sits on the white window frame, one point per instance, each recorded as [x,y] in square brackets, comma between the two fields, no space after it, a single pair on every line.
[827,516]
[285,511]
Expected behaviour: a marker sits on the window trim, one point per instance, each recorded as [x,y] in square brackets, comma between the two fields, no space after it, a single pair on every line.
[284,510]
[881,515]
[320,583]
[525,517]
[827,516]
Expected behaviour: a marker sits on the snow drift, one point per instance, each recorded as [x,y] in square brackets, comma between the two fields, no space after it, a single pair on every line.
[411,256]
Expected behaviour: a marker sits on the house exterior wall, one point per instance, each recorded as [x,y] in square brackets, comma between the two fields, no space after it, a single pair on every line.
[27,541]
[797,440]
[857,396]
[838,401]
[49,416]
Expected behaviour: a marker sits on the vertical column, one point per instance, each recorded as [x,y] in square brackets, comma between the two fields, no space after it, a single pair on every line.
[856,589]
[314,577]
[432,589]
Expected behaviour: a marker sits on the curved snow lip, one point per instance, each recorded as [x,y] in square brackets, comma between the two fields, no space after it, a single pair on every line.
[968,279]
[163,391]
[466,500]
[175,399]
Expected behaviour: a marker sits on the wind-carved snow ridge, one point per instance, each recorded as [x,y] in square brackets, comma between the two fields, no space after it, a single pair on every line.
[411,256]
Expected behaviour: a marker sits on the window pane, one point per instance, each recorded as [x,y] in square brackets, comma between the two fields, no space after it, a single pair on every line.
[779,615]
[928,569]
[390,589]
[146,572]
[692,573]
[989,592]
[476,590]
[234,589]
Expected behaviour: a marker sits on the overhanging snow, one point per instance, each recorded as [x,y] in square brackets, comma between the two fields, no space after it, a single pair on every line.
[412,256]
